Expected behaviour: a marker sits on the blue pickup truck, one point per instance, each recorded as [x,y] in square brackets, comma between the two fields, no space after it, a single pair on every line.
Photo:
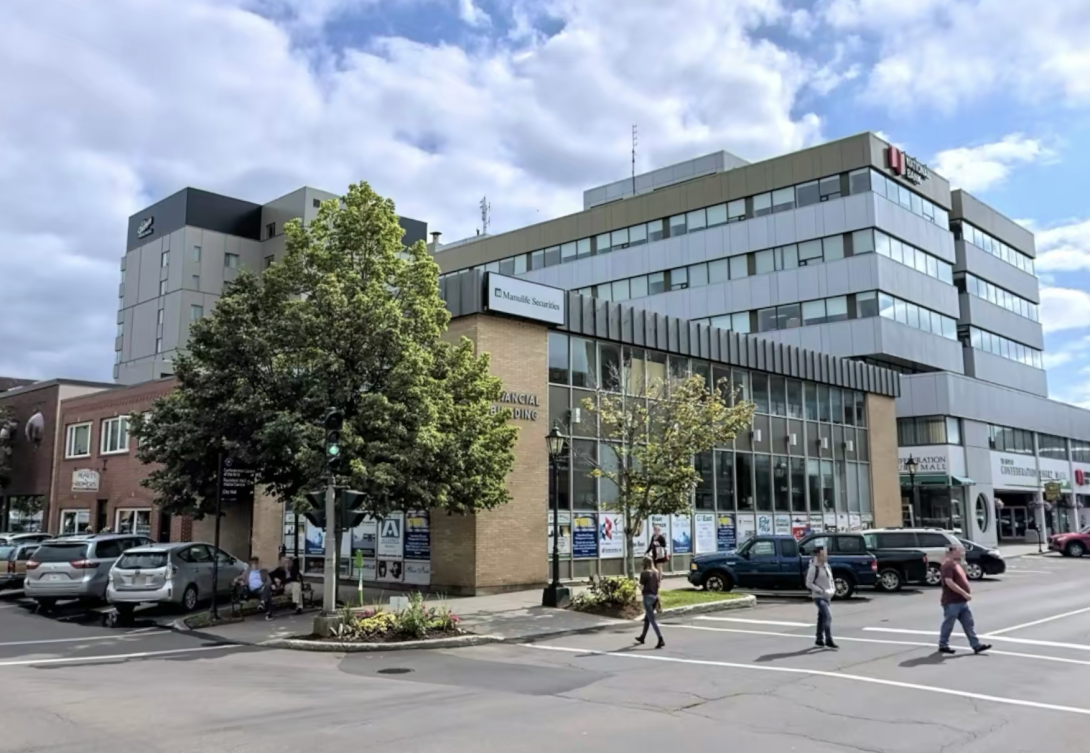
[780,562]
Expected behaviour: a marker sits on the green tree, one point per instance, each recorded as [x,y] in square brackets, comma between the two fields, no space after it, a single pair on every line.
[651,431]
[7,439]
[349,318]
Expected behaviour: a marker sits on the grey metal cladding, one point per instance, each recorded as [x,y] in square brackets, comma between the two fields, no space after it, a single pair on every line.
[223,214]
[166,216]
[415,230]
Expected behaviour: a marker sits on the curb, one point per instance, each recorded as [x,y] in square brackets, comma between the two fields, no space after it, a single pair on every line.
[743,602]
[459,641]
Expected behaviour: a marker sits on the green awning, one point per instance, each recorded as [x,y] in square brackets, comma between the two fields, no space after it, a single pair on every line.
[926,479]
[963,480]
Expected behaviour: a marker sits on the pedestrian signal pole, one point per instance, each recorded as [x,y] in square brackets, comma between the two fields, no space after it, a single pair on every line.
[334,422]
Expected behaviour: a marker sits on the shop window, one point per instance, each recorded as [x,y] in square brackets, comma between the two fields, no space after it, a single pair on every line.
[743,464]
[724,479]
[136,522]
[558,358]
[780,485]
[798,484]
[828,488]
[813,484]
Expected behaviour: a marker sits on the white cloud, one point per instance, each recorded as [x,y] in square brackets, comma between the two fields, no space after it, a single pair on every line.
[1065,248]
[472,14]
[1064,308]
[978,168]
[109,106]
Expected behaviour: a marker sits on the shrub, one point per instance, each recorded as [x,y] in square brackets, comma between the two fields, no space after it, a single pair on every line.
[617,592]
[413,622]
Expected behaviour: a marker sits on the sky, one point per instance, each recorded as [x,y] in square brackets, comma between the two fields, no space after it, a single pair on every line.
[111,105]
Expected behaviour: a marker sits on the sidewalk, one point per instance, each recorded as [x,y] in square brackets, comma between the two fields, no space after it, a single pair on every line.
[1012,551]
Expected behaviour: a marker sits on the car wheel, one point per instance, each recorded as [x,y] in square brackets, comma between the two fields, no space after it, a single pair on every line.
[45,606]
[890,580]
[189,598]
[1075,549]
[974,571]
[718,582]
[124,613]
[934,575]
[845,587]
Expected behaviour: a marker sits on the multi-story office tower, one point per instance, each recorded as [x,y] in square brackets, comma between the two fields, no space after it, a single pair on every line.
[854,249]
[180,252]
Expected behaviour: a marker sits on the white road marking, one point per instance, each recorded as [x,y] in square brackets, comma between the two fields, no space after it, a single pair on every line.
[1037,572]
[113,657]
[839,639]
[758,622]
[822,673]
[1040,622]
[989,636]
[117,637]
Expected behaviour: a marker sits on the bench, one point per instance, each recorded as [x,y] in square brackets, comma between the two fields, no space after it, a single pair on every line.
[241,606]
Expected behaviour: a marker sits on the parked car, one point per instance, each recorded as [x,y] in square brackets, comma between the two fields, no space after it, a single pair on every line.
[75,567]
[931,541]
[1070,544]
[780,562]
[982,560]
[13,561]
[178,574]
[21,538]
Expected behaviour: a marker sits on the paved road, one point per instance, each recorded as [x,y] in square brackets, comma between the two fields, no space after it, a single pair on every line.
[744,681]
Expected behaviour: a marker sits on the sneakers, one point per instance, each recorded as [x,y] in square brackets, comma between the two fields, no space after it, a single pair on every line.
[268,618]
[982,648]
[946,650]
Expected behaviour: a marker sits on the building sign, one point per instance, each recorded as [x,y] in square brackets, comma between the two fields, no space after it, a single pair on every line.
[1054,472]
[1012,471]
[236,482]
[909,168]
[1082,477]
[525,405]
[932,460]
[525,299]
[85,480]
[146,227]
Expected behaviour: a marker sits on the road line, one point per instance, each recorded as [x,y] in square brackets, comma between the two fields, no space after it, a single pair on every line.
[117,637]
[839,638]
[758,622]
[989,636]
[1040,622]
[822,673]
[114,657]
[1020,570]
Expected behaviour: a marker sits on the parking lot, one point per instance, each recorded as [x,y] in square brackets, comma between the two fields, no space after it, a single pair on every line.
[749,680]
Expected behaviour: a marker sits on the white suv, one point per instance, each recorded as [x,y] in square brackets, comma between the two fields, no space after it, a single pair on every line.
[933,541]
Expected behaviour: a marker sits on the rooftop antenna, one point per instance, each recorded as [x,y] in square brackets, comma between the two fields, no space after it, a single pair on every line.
[635,140]
[486,209]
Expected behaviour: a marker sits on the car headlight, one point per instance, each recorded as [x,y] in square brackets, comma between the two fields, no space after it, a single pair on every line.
[996,553]
[692,566]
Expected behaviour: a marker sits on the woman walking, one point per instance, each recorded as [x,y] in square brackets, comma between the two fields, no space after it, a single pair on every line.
[657,550]
[649,584]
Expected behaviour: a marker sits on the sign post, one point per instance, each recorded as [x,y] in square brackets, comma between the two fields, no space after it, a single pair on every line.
[234,484]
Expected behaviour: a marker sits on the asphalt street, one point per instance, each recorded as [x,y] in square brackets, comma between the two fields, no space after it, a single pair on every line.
[749,680]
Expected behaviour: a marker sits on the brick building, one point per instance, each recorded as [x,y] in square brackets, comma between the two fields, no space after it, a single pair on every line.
[35,405]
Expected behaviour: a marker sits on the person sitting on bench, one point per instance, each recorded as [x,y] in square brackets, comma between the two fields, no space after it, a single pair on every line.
[286,578]
[255,582]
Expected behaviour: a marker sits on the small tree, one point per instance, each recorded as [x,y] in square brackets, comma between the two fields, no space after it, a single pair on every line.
[7,439]
[653,428]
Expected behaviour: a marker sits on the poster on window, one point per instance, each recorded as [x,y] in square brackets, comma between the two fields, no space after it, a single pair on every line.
[817,523]
[800,525]
[783,525]
[830,521]
[391,537]
[726,535]
[390,571]
[313,565]
[565,533]
[314,538]
[842,522]
[584,535]
[370,570]
[417,573]
[855,521]
[747,527]
[704,528]
[641,539]
[764,524]
[681,534]
[663,522]
[363,538]
[418,536]
[610,536]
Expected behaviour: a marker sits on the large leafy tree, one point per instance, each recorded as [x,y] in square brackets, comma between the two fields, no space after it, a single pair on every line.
[7,439]
[350,319]
[652,429]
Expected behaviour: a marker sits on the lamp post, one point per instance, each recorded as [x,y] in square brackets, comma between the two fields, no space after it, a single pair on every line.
[911,465]
[555,595]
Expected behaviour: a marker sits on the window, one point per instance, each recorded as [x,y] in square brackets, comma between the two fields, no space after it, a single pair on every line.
[736,210]
[655,231]
[230,261]
[269,261]
[195,312]
[679,278]
[316,203]
[789,548]
[813,312]
[762,550]
[788,316]
[850,545]
[836,308]
[77,441]
[794,398]
[783,199]
[859,181]
[866,304]
[197,254]
[196,280]
[759,382]
[637,235]
[698,275]
[724,479]
[739,267]
[696,220]
[762,204]
[1004,348]
[743,464]
[639,286]
[718,271]
[717,215]
[863,242]
[159,317]
[981,508]
[1051,446]
[830,188]
[115,435]
[766,319]
[807,194]
[158,345]
[787,257]
[164,259]
[656,283]
[162,287]
[1006,439]
[584,362]
[677,225]
[764,262]
[1080,451]
[810,253]
[270,230]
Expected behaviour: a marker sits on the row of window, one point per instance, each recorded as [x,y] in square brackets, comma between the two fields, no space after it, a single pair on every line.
[963,231]
[580,362]
[903,253]
[113,439]
[1020,441]
[781,200]
[973,285]
[1004,348]
[927,430]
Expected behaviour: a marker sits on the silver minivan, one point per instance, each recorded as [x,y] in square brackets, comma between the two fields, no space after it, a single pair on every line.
[75,567]
[178,574]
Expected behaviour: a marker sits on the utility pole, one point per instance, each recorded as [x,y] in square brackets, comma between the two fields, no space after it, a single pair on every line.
[334,421]
[214,610]
[635,141]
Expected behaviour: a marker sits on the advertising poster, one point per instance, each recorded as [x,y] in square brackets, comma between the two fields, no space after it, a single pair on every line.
[747,527]
[681,534]
[584,535]
[565,533]
[842,522]
[345,568]
[315,540]
[641,539]
[764,524]
[817,523]
[783,524]
[800,525]
[313,566]
[830,521]
[726,536]
[391,539]
[855,521]
[418,573]
[390,571]
[370,570]
[417,536]
[663,522]
[289,533]
[363,538]
[610,535]
[704,525]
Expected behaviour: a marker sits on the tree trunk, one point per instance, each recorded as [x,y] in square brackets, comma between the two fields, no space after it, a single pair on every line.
[629,553]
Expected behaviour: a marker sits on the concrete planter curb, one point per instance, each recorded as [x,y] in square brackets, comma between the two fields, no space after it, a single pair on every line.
[457,641]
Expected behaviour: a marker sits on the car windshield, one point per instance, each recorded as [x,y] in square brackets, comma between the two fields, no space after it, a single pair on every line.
[7,553]
[141,560]
[60,552]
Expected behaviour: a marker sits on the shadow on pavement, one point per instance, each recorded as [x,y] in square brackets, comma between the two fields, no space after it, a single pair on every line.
[931,659]
[789,654]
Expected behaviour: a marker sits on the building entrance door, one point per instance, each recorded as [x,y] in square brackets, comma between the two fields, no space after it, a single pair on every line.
[1013,523]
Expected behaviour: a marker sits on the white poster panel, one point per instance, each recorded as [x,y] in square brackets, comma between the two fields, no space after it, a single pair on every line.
[783,525]
[565,533]
[530,300]
[1058,471]
[842,522]
[747,527]
[642,539]
[370,570]
[705,525]
[830,521]
[681,534]
[817,523]
[934,459]
[390,571]
[855,521]
[764,525]
[799,524]
[663,522]
[418,572]
[391,537]
[1013,471]
[610,535]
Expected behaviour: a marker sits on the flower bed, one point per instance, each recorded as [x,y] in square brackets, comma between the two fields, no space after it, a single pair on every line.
[610,597]
[415,622]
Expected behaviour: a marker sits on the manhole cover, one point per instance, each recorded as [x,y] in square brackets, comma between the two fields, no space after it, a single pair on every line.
[395,671]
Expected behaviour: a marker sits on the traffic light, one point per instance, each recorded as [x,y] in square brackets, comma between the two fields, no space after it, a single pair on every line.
[316,515]
[334,422]
[350,515]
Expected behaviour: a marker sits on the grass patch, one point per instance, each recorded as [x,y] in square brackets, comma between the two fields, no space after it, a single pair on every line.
[686,597]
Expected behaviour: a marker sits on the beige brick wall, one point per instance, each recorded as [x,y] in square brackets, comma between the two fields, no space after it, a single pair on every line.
[268,528]
[884,479]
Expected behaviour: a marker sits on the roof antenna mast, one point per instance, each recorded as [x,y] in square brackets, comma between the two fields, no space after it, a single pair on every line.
[635,140]
[486,210]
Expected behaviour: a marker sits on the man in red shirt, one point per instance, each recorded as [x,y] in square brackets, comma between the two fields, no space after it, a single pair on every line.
[955,602]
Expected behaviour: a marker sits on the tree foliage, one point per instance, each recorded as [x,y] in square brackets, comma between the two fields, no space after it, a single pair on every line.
[347,319]
[651,431]
[7,421]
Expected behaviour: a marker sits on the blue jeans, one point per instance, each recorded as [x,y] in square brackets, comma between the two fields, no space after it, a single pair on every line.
[952,613]
[824,621]
[649,603]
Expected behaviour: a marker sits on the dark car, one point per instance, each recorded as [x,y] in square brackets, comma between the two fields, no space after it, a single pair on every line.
[981,560]
[1074,544]
[780,562]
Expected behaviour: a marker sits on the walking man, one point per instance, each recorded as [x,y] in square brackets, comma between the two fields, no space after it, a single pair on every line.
[819,582]
[955,602]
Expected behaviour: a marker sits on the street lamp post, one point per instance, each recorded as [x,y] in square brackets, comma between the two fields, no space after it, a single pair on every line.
[910,466]
[555,595]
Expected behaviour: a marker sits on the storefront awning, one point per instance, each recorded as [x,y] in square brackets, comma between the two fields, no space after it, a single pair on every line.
[936,479]
[963,480]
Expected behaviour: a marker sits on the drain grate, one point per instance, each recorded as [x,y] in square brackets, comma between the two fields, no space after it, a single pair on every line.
[395,671]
